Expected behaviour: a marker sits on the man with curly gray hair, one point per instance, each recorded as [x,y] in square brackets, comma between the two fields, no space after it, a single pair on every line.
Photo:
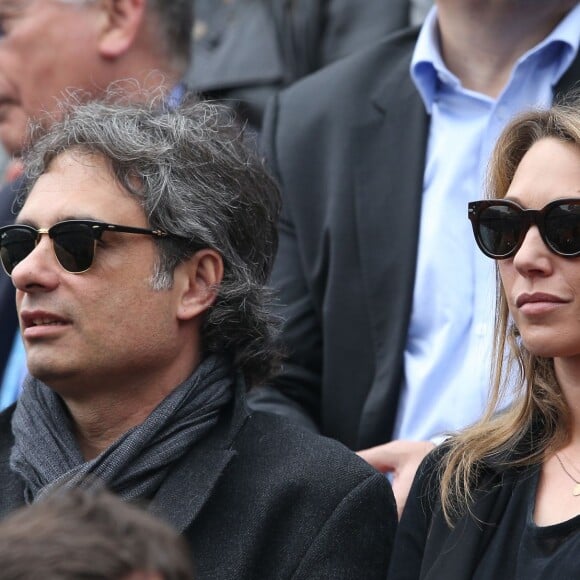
[139,256]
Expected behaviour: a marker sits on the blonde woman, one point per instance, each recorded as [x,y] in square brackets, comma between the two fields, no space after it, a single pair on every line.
[501,499]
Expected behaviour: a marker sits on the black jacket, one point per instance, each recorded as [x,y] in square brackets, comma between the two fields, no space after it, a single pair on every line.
[261,499]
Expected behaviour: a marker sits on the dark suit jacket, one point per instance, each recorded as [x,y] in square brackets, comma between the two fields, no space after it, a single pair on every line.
[348,147]
[261,499]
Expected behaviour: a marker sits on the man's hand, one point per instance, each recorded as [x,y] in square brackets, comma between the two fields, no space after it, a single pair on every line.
[402,458]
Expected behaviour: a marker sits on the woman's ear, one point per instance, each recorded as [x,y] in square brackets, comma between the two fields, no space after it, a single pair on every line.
[199,278]
[120,23]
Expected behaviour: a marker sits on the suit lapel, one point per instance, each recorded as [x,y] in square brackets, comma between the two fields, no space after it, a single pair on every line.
[11,485]
[389,152]
[187,489]
[12,493]
[190,484]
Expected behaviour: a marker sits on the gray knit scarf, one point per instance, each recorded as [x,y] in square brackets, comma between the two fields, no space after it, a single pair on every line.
[46,454]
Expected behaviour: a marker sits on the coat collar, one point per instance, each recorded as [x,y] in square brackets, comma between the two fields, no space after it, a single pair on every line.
[12,486]
[191,482]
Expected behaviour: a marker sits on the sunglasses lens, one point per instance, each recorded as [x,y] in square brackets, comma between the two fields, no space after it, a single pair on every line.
[74,246]
[15,244]
[500,228]
[562,225]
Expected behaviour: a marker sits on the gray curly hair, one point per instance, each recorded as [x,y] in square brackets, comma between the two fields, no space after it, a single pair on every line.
[195,177]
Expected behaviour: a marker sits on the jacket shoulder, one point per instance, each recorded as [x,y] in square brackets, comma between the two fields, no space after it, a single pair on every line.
[284,450]
[357,75]
[286,507]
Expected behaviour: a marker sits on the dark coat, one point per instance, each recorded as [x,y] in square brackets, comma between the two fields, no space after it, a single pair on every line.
[8,318]
[247,50]
[261,499]
[348,147]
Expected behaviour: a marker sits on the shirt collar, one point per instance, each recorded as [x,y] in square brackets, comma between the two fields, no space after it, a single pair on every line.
[428,68]
[567,34]
[176,95]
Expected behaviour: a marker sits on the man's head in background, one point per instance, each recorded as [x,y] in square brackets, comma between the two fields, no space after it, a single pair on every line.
[90,533]
[49,47]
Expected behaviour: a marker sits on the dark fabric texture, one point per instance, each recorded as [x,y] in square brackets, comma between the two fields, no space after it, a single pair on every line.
[46,454]
[247,50]
[8,318]
[348,147]
[497,541]
[258,498]
[448,553]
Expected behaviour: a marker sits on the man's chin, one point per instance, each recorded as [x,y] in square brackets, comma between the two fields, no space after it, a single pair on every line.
[49,373]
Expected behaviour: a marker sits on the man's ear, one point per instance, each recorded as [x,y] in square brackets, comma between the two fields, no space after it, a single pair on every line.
[121,20]
[198,279]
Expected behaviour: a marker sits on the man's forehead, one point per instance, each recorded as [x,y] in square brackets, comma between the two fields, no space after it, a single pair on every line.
[79,186]
[77,163]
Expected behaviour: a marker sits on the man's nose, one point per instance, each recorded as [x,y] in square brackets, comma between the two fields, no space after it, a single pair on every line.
[39,269]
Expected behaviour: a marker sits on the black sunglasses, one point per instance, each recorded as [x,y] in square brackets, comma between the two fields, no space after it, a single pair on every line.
[500,226]
[73,242]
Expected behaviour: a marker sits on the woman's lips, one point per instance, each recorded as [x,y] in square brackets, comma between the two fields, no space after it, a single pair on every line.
[538,302]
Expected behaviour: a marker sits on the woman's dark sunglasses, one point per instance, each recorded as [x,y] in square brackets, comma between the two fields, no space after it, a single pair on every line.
[500,226]
[73,242]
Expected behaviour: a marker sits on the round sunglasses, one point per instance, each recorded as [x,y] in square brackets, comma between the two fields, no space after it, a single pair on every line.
[500,226]
[73,242]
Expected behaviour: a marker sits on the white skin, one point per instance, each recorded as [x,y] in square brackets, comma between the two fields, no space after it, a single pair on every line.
[480,40]
[49,47]
[108,343]
[543,294]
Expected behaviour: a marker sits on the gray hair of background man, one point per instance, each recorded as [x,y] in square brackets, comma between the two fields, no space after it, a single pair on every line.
[176,20]
[192,173]
[90,533]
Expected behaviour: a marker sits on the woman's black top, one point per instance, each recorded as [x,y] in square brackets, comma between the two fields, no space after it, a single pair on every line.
[499,541]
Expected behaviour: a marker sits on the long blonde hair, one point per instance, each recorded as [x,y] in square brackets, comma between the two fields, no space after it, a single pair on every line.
[537,420]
